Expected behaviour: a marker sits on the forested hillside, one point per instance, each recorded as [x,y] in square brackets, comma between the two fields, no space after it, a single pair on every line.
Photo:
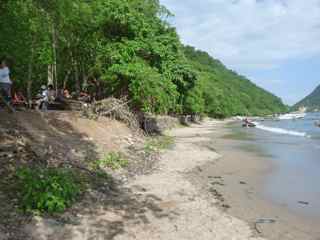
[227,93]
[311,102]
[124,48]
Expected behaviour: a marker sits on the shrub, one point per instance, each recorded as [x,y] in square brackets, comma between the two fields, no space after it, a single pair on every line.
[113,160]
[46,190]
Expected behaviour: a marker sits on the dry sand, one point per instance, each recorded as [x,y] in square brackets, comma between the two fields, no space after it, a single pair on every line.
[181,200]
[190,215]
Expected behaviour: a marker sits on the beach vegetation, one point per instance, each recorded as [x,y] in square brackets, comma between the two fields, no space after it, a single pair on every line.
[46,189]
[112,160]
[129,49]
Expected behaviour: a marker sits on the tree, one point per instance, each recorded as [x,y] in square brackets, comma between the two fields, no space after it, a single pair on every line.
[126,49]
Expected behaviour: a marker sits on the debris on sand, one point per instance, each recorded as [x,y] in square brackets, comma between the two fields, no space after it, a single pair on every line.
[262,221]
[114,108]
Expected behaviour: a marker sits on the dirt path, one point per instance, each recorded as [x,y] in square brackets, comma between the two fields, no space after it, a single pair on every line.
[161,206]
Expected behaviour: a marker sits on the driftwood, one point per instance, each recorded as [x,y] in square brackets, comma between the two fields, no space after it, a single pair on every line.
[114,108]
[262,221]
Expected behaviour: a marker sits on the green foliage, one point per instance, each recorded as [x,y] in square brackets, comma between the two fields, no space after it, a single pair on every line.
[113,160]
[127,47]
[151,92]
[46,190]
[154,144]
[194,102]
[226,93]
[311,102]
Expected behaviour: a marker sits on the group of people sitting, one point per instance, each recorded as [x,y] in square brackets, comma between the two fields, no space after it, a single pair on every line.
[46,96]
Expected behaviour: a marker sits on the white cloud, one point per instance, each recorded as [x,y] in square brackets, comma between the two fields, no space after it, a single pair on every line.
[250,34]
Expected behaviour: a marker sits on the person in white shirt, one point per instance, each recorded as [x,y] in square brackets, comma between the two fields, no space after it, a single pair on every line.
[5,82]
[43,100]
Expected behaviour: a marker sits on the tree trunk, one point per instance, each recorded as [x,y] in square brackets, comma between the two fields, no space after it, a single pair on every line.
[76,74]
[65,81]
[50,74]
[30,72]
[77,79]
[54,81]
[54,56]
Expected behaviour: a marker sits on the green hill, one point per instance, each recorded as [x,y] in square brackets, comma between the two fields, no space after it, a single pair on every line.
[311,102]
[227,93]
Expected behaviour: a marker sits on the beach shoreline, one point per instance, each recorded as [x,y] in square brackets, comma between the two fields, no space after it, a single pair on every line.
[238,178]
[204,188]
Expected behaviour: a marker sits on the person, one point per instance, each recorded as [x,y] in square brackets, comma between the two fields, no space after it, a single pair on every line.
[247,123]
[43,100]
[66,94]
[85,97]
[19,99]
[51,93]
[5,81]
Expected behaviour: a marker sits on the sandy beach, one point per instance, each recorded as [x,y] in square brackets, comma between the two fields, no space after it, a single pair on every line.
[239,177]
[205,187]
[192,213]
[211,187]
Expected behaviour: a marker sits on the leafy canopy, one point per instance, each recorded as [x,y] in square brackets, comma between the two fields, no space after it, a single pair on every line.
[129,49]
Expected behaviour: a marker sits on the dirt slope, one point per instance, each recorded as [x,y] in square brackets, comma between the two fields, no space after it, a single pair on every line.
[52,138]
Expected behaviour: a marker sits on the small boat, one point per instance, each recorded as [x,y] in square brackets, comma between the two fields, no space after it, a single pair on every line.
[247,123]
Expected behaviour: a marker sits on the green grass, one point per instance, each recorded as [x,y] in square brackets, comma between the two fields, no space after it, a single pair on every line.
[112,160]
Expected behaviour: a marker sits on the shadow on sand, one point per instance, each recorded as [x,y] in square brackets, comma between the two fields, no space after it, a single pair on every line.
[29,138]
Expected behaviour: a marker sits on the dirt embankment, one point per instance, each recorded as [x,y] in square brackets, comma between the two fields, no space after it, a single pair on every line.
[163,204]
[60,139]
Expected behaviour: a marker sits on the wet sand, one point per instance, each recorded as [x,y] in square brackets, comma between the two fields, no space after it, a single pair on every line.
[238,179]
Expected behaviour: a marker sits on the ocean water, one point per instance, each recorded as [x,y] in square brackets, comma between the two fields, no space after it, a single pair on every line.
[294,148]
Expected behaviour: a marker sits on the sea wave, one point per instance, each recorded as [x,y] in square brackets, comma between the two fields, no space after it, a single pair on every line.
[281,131]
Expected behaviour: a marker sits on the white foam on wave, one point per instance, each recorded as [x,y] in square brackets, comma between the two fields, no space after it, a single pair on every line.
[281,131]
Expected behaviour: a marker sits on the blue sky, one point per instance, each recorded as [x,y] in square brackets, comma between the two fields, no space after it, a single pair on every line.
[275,43]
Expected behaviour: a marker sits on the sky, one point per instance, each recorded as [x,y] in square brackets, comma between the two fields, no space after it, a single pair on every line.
[275,43]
